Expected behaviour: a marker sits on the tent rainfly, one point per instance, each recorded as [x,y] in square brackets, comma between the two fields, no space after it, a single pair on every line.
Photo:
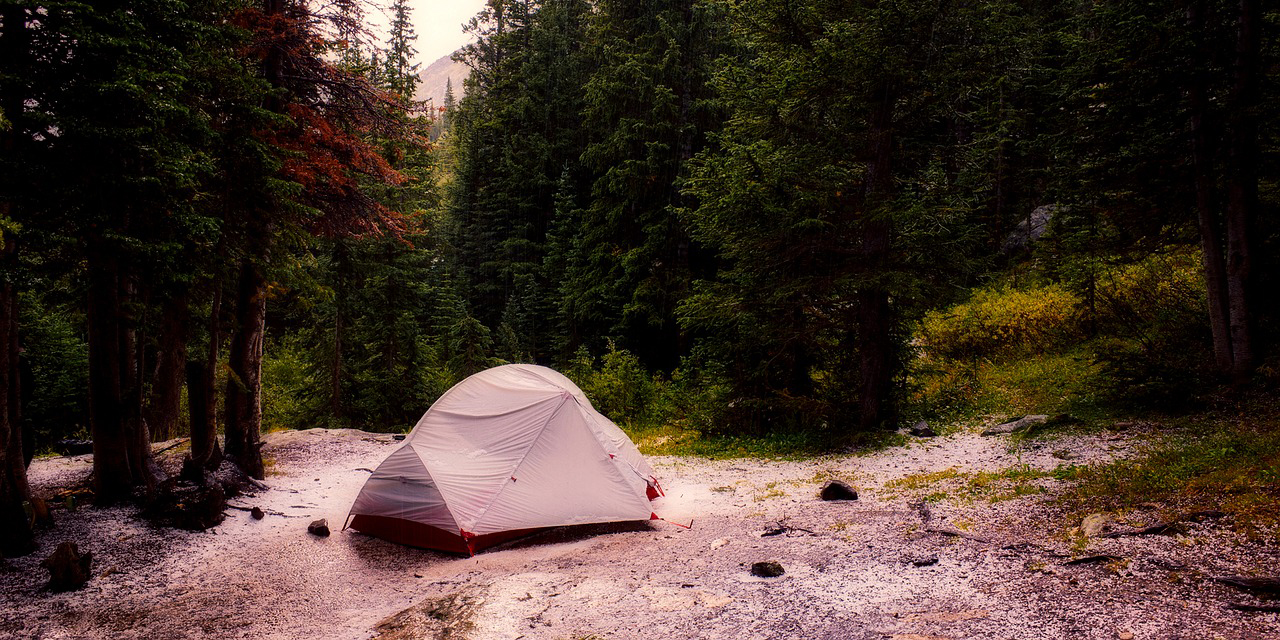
[507,451]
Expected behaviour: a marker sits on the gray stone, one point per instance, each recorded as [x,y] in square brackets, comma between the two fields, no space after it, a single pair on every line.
[921,560]
[1095,524]
[1030,229]
[922,430]
[1013,426]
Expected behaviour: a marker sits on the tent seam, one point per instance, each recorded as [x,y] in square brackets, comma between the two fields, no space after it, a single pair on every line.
[614,458]
[564,397]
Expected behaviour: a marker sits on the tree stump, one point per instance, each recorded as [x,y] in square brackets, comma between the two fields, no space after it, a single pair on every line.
[68,569]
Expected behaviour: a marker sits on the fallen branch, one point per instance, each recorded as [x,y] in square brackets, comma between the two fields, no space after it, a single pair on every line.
[270,511]
[180,442]
[1092,560]
[955,533]
[1261,585]
[783,528]
[1153,530]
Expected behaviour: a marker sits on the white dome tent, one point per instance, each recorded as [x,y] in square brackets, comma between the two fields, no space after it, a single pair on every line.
[506,451]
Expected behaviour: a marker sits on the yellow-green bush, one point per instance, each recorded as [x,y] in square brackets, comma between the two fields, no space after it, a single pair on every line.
[1163,289]
[1003,321]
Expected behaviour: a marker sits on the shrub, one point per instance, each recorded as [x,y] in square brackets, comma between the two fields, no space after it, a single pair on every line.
[285,385]
[1003,321]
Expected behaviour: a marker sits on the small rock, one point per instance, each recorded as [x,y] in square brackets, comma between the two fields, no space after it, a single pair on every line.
[319,528]
[398,436]
[68,569]
[767,569]
[257,513]
[1024,423]
[922,430]
[1124,635]
[1095,524]
[921,561]
[1123,425]
[716,544]
[1066,454]
[837,490]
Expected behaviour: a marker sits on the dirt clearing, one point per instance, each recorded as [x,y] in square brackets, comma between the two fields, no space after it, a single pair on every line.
[951,537]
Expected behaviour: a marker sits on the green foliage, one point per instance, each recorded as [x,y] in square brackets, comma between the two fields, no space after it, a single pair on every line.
[55,349]
[1028,350]
[1004,321]
[621,388]
[286,388]
[1231,465]
[826,254]
[949,391]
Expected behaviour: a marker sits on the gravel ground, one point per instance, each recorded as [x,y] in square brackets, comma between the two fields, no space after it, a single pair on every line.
[887,566]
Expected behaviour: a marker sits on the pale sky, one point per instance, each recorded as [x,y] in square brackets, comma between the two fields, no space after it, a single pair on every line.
[438,24]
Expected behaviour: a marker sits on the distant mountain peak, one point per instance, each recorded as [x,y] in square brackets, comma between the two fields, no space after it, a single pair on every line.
[436,77]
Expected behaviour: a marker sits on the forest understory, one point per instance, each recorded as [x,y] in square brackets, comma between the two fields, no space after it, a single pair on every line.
[958,536]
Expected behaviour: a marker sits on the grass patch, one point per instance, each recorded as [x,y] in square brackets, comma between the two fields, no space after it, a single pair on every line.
[771,490]
[669,440]
[956,392]
[1233,467]
[991,486]
[922,480]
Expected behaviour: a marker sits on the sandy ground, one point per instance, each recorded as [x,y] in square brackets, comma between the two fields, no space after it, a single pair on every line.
[872,568]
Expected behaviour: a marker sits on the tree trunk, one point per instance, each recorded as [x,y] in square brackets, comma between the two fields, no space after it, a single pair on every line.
[121,448]
[244,380]
[202,399]
[875,338]
[1242,185]
[170,370]
[111,475]
[341,269]
[132,345]
[1212,262]
[15,530]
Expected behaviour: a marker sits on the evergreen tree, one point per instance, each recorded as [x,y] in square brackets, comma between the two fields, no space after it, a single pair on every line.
[648,108]
[828,204]
[401,73]
[517,131]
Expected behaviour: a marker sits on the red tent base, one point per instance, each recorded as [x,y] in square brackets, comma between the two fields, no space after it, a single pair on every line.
[425,536]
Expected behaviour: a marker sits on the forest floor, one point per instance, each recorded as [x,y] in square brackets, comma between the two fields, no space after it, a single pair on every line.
[952,537]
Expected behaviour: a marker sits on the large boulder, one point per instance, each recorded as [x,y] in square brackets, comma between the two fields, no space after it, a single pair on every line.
[1030,229]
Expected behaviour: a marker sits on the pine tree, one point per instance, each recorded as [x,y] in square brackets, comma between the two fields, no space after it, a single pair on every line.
[828,204]
[517,131]
[401,73]
[648,110]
